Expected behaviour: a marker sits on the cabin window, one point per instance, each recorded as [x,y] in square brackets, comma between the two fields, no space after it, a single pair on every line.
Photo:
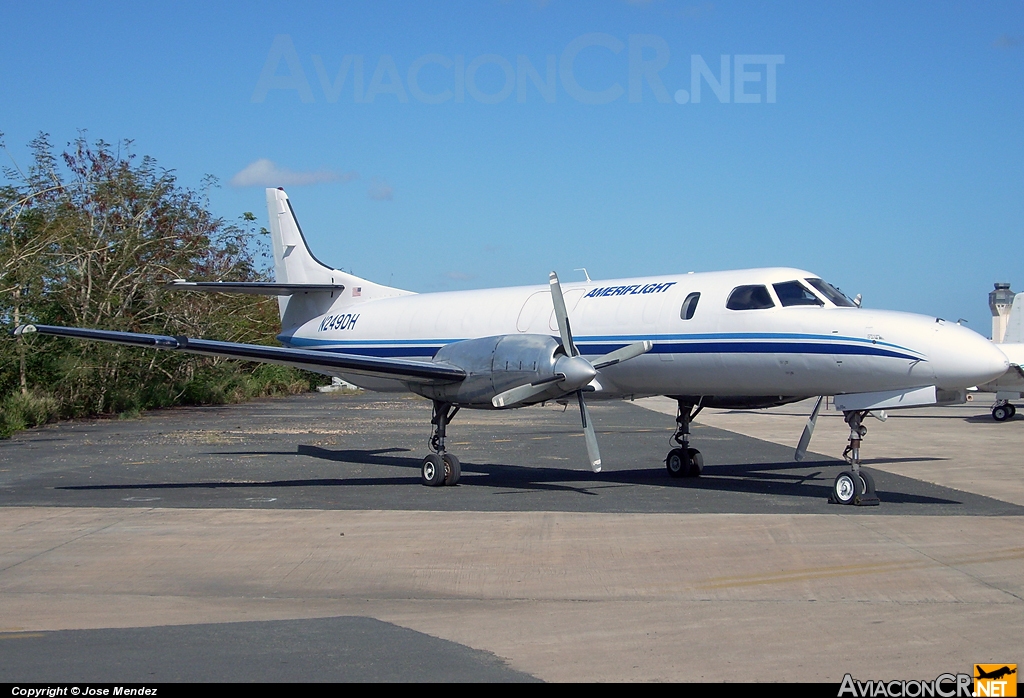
[795,293]
[832,293]
[749,298]
[689,306]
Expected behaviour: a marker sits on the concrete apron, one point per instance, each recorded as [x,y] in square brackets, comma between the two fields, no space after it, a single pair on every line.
[562,596]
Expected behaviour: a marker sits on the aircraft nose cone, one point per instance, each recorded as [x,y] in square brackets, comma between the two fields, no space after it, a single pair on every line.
[963,358]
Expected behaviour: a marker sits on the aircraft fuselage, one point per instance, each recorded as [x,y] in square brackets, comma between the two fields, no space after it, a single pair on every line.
[776,353]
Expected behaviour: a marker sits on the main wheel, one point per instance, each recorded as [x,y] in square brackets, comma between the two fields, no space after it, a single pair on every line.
[432,471]
[1001,413]
[677,463]
[844,489]
[696,462]
[1013,410]
[452,469]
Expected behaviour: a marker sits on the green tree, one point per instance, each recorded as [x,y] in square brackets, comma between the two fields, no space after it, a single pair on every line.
[89,239]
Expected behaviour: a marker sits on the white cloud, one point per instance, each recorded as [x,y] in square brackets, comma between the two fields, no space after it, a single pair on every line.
[459,276]
[380,190]
[264,173]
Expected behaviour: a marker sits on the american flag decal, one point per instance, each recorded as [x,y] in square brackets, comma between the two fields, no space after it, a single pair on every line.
[357,291]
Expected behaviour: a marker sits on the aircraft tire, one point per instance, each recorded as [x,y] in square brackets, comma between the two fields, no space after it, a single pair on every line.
[867,484]
[677,463]
[432,471]
[1013,410]
[452,469]
[844,489]
[1001,413]
[696,462]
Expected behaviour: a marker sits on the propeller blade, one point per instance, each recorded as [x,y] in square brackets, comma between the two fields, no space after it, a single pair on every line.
[521,393]
[626,353]
[562,316]
[805,438]
[591,437]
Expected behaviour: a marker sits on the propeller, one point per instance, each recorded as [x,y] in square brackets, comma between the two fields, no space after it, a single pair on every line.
[573,373]
[805,438]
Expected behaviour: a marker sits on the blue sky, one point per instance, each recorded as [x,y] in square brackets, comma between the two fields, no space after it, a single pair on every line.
[890,161]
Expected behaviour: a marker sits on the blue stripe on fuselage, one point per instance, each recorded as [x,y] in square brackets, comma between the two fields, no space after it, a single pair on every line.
[663,344]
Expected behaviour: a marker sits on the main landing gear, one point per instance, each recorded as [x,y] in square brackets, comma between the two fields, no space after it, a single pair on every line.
[1003,411]
[684,461]
[855,487]
[440,468]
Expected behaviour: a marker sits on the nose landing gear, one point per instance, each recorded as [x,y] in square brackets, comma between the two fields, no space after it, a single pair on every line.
[855,487]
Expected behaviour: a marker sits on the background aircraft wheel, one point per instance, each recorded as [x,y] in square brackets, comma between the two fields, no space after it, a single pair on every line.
[432,471]
[677,463]
[1013,410]
[452,469]
[844,489]
[696,462]
[1001,413]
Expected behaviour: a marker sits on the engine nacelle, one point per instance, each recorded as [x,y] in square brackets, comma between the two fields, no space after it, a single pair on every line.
[494,365]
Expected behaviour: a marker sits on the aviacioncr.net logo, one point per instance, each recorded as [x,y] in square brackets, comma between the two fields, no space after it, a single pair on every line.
[943,686]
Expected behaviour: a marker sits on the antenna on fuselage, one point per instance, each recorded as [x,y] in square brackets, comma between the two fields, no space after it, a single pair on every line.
[584,270]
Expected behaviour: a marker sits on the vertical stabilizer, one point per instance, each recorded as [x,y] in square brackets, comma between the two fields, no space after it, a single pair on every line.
[295,264]
[1014,333]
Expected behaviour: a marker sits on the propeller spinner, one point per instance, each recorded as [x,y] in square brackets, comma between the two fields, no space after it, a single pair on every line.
[572,373]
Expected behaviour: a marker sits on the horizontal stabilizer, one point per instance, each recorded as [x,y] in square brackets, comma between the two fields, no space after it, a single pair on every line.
[326,362]
[259,288]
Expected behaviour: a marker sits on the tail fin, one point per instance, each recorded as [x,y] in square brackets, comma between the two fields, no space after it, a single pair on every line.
[295,264]
[1015,322]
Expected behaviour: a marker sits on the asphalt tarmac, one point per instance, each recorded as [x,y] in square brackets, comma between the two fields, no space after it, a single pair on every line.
[364,452]
[291,540]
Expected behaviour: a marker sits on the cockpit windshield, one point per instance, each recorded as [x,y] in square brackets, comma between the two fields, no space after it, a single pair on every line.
[795,293]
[832,293]
[749,298]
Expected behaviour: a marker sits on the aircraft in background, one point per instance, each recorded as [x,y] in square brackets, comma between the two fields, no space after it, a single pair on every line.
[1010,385]
[732,340]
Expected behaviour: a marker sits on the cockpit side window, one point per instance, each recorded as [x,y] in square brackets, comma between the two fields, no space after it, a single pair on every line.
[689,306]
[749,298]
[832,293]
[795,293]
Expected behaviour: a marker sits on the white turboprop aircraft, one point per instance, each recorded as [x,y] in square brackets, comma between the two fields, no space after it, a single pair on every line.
[735,339]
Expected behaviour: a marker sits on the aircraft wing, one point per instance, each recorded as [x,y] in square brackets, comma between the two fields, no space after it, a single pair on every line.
[319,361]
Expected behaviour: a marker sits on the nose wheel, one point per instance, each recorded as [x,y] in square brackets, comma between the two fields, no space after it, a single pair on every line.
[856,486]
